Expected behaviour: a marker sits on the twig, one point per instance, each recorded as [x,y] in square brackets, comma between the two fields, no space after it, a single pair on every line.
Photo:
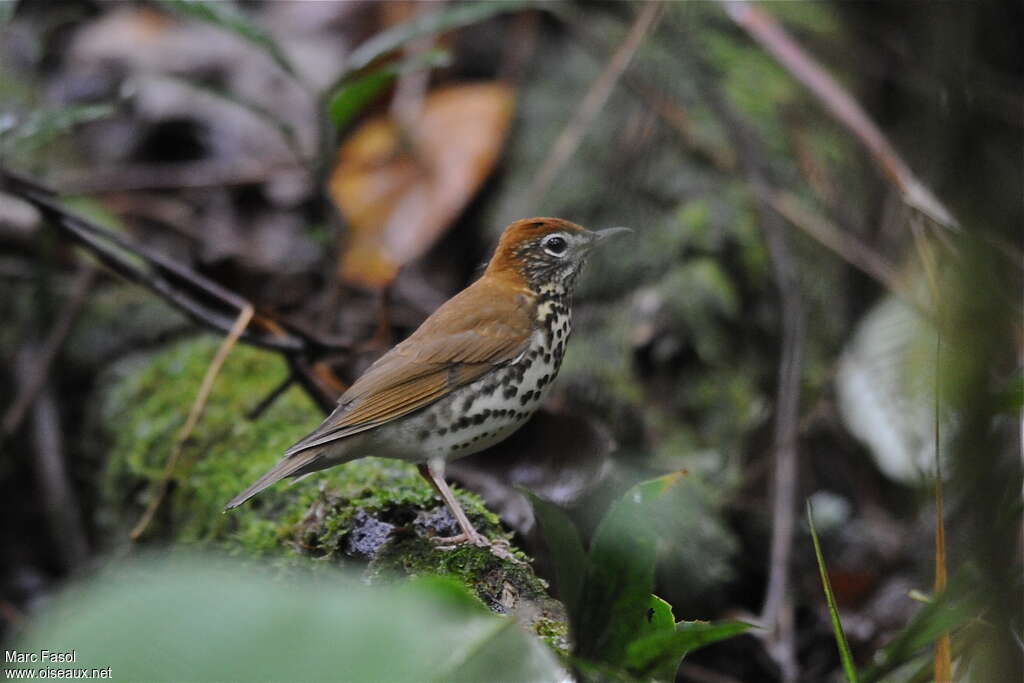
[777,613]
[193,418]
[569,139]
[202,299]
[942,666]
[763,28]
[307,379]
[58,496]
[268,400]
[173,176]
[41,362]
[839,241]
[670,111]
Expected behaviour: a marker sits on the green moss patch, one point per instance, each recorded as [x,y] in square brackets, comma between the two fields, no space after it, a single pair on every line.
[372,514]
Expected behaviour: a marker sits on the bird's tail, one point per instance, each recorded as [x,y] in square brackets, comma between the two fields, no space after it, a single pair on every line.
[299,464]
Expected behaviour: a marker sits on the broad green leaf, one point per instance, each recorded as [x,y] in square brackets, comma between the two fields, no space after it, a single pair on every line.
[42,127]
[845,656]
[657,619]
[565,548]
[351,97]
[197,619]
[222,15]
[658,655]
[619,579]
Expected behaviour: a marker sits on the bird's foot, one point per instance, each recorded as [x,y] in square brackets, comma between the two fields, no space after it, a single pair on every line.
[450,542]
[500,548]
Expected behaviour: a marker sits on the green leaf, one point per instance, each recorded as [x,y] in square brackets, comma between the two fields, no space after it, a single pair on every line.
[658,655]
[351,97]
[42,127]
[565,548]
[196,619]
[619,578]
[657,619]
[221,15]
[849,668]
[946,612]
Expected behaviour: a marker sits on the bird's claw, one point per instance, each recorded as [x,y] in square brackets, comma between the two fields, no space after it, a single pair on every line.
[450,542]
[500,548]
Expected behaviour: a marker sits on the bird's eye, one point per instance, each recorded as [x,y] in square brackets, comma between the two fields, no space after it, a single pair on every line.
[555,245]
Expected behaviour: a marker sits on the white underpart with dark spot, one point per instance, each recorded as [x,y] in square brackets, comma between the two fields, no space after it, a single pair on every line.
[487,411]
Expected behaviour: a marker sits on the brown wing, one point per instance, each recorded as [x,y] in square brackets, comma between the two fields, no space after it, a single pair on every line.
[482,327]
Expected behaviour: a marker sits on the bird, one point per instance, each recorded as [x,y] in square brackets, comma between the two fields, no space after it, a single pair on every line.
[469,376]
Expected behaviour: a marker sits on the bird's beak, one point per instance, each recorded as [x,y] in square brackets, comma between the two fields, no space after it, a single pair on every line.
[602,235]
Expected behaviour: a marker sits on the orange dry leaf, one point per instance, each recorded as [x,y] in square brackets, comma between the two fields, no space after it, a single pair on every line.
[400,190]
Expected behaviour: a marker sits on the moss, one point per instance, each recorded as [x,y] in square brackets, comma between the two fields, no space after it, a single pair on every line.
[555,633]
[372,514]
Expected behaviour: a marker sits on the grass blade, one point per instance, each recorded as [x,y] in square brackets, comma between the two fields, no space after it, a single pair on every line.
[453,17]
[282,127]
[945,613]
[41,127]
[844,648]
[222,16]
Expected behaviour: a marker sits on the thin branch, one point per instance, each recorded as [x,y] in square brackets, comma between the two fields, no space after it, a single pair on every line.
[569,139]
[841,242]
[41,362]
[673,113]
[777,613]
[193,419]
[173,176]
[59,500]
[205,301]
[770,34]
[257,410]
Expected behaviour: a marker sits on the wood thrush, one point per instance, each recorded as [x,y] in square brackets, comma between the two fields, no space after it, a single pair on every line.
[469,376]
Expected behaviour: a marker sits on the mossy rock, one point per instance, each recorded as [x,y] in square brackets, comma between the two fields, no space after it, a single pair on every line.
[373,515]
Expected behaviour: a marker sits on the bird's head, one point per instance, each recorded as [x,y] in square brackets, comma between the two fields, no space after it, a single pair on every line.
[545,252]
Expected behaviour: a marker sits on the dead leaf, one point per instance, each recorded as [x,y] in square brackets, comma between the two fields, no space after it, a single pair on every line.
[400,192]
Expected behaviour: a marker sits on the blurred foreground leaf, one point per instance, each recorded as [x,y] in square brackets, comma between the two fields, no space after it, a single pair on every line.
[399,190]
[199,619]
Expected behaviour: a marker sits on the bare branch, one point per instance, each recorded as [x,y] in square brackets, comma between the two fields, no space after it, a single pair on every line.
[770,34]
[38,370]
[569,139]
[193,419]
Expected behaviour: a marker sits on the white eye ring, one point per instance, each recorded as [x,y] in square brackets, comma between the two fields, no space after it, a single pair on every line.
[556,245]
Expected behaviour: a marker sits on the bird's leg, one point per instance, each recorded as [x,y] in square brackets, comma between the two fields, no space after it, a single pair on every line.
[469,534]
